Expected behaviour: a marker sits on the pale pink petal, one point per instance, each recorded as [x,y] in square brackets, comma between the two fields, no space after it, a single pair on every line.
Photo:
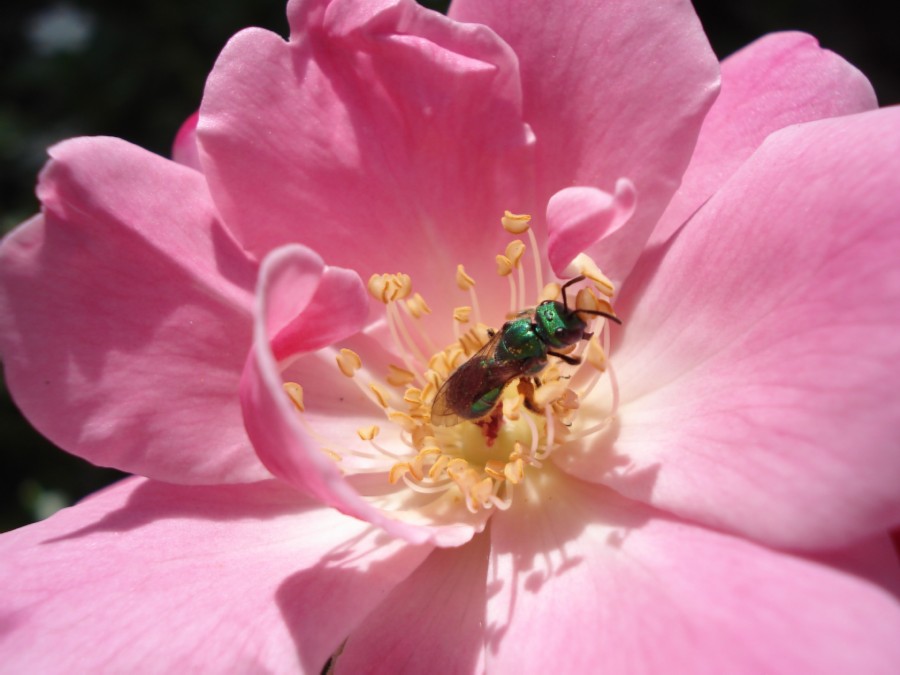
[126,317]
[185,150]
[148,577]
[611,89]
[760,357]
[433,621]
[779,80]
[587,581]
[578,217]
[283,438]
[383,136]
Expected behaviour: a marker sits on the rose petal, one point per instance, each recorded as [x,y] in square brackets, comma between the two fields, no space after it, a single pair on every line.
[185,150]
[126,317]
[578,217]
[383,136]
[282,437]
[779,80]
[436,616]
[148,576]
[760,357]
[611,89]
[590,582]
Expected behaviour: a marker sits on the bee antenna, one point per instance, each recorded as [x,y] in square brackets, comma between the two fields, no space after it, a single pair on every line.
[575,280]
[596,312]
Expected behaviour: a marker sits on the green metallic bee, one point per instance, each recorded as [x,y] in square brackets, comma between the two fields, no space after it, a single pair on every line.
[519,349]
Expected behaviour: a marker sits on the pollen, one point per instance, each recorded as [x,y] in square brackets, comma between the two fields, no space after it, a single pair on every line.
[462,314]
[399,377]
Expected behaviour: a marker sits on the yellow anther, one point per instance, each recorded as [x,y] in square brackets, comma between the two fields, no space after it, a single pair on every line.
[494,469]
[549,392]
[587,299]
[504,265]
[380,394]
[348,361]
[457,467]
[295,392]
[421,436]
[389,287]
[368,433]
[595,354]
[378,286]
[514,251]
[403,420]
[514,471]
[463,280]
[417,306]
[462,314]
[438,467]
[397,472]
[403,285]
[585,266]
[550,292]
[413,396]
[331,453]
[515,223]
[399,377]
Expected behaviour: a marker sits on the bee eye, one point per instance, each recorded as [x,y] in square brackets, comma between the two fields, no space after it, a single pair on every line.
[559,332]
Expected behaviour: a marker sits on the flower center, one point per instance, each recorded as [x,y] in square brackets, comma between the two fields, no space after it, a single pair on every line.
[480,415]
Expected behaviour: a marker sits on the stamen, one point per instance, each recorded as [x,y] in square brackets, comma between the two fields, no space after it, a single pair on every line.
[348,361]
[295,393]
[467,283]
[584,265]
[368,433]
[399,377]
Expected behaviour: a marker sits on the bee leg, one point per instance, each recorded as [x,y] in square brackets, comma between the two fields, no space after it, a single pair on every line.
[571,360]
[586,336]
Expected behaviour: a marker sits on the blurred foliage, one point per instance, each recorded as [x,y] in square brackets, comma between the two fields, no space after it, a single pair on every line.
[136,70]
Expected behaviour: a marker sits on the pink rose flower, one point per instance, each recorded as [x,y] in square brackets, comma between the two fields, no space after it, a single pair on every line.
[259,331]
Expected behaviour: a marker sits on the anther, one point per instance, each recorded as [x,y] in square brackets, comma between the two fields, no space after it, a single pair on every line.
[550,291]
[595,354]
[417,306]
[295,393]
[462,314]
[380,395]
[514,251]
[399,377]
[515,223]
[585,266]
[504,265]
[368,433]
[348,361]
[463,280]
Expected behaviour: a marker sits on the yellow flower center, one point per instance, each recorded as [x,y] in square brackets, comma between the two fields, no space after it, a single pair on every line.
[481,459]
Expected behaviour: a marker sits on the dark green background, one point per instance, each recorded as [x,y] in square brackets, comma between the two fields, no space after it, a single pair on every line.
[139,74]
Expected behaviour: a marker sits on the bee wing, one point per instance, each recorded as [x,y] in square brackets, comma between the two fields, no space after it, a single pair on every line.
[472,380]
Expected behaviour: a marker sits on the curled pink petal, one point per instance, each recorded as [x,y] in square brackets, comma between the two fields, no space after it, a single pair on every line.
[185,150]
[579,217]
[126,317]
[285,445]
[779,80]
[178,579]
[760,359]
[589,578]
